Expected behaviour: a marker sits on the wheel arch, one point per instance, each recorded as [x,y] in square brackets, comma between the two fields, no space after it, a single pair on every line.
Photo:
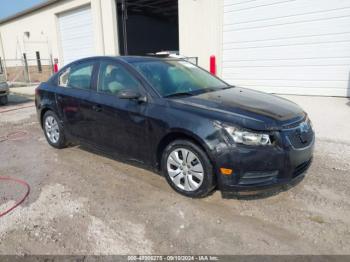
[178,134]
[42,113]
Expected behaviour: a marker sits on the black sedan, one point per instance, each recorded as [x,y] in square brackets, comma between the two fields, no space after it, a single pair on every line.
[171,115]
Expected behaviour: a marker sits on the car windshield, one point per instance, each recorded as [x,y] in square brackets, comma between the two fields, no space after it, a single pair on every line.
[177,77]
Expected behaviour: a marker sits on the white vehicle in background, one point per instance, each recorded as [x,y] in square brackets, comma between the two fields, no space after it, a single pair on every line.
[4,90]
[176,55]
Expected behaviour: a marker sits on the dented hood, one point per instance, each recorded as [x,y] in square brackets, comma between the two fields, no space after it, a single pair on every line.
[248,108]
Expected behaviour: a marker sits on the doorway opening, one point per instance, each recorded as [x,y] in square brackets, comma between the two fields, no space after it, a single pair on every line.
[147,26]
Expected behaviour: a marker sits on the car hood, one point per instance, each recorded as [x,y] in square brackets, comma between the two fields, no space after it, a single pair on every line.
[247,108]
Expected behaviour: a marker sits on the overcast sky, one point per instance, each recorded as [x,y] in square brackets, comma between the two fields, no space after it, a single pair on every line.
[10,7]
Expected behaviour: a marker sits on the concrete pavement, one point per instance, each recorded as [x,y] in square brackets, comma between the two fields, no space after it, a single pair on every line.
[28,91]
[330,115]
[83,202]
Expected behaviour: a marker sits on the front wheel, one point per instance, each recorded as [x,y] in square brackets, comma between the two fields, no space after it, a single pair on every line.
[53,130]
[188,169]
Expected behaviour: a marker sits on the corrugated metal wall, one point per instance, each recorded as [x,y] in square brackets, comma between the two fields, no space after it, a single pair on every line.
[288,46]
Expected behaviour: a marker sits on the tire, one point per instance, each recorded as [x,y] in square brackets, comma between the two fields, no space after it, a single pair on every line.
[3,100]
[183,172]
[53,130]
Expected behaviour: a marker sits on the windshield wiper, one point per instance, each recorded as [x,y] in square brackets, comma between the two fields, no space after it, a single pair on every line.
[179,94]
[214,89]
[227,87]
[199,91]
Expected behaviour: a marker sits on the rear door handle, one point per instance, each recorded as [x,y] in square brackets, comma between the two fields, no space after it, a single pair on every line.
[97,108]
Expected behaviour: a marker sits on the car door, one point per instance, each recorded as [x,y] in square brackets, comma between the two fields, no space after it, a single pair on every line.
[119,124]
[74,90]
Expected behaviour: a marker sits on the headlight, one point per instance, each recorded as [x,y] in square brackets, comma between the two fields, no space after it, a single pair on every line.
[248,138]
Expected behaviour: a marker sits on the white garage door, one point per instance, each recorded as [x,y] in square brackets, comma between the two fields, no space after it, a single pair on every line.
[76,34]
[288,46]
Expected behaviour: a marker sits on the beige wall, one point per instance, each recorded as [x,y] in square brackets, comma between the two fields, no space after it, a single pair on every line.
[200,29]
[44,31]
[18,74]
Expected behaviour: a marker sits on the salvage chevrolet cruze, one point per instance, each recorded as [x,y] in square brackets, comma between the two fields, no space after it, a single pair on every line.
[171,115]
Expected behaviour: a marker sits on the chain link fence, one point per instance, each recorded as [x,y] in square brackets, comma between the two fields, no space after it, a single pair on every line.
[26,71]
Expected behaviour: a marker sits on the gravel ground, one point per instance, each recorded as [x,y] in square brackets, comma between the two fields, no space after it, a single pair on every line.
[86,203]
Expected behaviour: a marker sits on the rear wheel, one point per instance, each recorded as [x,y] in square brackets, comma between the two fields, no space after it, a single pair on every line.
[188,169]
[3,100]
[53,130]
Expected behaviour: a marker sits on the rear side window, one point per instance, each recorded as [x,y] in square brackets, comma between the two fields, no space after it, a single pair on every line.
[78,76]
[63,78]
[114,77]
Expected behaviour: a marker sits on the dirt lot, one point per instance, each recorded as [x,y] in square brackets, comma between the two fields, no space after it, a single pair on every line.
[86,203]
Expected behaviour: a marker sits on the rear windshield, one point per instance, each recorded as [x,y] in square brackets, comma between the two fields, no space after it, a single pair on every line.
[171,77]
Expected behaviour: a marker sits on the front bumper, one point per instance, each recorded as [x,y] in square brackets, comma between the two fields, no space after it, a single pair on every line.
[260,168]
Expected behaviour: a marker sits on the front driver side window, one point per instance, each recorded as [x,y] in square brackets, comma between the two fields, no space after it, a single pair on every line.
[114,77]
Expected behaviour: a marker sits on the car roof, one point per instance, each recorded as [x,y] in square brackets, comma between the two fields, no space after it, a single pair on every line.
[130,59]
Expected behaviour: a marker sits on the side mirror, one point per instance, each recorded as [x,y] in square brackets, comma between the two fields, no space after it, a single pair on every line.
[131,95]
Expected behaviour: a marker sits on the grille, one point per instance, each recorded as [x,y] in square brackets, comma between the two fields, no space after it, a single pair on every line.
[301,136]
[299,139]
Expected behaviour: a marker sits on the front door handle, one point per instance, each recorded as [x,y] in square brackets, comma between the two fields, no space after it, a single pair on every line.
[97,108]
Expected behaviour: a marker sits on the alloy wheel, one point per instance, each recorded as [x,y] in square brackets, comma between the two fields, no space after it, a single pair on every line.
[52,129]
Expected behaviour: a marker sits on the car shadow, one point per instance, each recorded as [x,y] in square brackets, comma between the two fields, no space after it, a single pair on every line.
[247,195]
[14,99]
[16,102]
[116,157]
